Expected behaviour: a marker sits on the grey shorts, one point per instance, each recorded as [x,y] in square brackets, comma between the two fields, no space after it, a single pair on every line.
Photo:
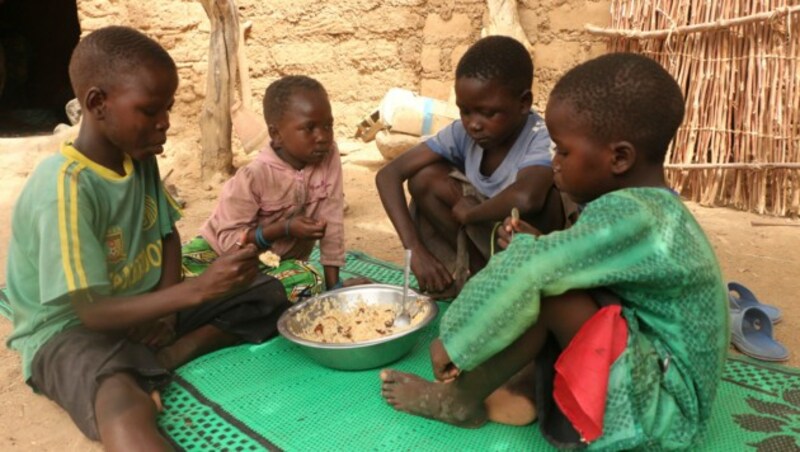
[69,368]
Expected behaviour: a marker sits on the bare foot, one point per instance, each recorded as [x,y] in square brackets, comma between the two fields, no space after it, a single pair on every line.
[439,401]
[507,407]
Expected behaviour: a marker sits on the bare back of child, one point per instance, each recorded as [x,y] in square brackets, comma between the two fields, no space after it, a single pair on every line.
[472,173]
[623,316]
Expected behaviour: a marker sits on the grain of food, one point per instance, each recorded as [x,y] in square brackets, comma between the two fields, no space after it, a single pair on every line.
[361,323]
[270,259]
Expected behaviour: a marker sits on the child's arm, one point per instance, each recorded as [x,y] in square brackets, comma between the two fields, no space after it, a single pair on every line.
[237,211]
[119,313]
[428,269]
[528,194]
[330,215]
[612,242]
[331,276]
[161,331]
[171,260]
[513,226]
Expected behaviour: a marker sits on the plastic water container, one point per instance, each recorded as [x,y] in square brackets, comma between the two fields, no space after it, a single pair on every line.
[405,112]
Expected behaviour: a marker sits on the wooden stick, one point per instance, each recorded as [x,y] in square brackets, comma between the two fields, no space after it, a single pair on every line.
[695,28]
[245,93]
[739,144]
[216,156]
[773,223]
[741,166]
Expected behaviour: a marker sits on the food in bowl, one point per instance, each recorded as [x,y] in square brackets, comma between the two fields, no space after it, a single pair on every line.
[361,322]
[357,355]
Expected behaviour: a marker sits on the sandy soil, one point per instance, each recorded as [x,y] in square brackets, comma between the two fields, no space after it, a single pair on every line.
[763,258]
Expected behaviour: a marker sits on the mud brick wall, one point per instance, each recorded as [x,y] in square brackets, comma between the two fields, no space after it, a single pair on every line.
[357,48]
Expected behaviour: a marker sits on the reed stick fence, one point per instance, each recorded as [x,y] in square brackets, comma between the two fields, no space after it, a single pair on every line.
[738,63]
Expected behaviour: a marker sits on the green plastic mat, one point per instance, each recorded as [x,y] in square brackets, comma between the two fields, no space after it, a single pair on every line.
[357,263]
[272,397]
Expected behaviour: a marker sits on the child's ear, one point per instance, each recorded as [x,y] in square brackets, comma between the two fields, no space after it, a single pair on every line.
[623,157]
[94,101]
[526,98]
[275,136]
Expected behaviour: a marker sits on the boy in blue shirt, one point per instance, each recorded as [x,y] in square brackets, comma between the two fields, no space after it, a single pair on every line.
[472,173]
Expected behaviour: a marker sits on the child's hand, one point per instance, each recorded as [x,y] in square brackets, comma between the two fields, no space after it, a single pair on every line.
[357,281]
[512,226]
[306,228]
[443,368]
[230,271]
[156,334]
[462,209]
[431,275]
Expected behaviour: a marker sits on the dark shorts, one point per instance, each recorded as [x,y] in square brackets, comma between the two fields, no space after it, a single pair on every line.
[69,368]
[481,235]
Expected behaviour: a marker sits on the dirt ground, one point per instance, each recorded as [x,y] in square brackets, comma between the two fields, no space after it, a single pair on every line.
[763,258]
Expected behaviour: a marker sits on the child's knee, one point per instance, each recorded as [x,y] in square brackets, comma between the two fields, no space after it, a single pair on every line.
[120,386]
[125,414]
[568,304]
[428,180]
[120,394]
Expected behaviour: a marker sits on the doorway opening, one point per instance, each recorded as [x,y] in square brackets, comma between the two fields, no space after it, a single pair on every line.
[36,42]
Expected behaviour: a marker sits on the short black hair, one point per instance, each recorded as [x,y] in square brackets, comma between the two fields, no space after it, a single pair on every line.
[278,93]
[498,58]
[625,96]
[105,54]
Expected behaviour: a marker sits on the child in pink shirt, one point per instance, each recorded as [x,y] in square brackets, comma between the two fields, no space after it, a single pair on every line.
[287,198]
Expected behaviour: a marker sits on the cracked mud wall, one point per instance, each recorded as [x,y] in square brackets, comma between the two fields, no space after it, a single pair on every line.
[357,49]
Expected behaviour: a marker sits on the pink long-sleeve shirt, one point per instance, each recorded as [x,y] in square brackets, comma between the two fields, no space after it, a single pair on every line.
[269,190]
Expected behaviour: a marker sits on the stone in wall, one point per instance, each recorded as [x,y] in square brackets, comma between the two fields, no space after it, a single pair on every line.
[430,59]
[437,29]
[357,48]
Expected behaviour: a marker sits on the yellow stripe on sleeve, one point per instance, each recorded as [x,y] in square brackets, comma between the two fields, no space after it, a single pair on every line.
[171,200]
[63,234]
[75,234]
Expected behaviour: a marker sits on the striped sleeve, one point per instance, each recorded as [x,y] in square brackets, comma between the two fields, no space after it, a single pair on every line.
[169,212]
[71,255]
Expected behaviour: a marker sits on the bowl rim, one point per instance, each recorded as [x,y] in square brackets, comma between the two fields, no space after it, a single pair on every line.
[284,318]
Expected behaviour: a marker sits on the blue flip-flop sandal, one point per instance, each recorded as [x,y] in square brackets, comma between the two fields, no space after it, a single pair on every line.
[745,298]
[751,334]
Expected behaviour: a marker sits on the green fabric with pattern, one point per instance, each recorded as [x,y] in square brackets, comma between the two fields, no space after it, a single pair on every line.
[248,397]
[645,246]
[299,278]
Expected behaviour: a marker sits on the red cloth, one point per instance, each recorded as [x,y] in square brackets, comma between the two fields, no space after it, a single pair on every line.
[582,370]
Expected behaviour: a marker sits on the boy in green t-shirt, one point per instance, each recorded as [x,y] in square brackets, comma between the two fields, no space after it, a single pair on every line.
[101,315]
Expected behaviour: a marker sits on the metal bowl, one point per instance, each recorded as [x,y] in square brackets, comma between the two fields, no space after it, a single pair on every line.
[362,354]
